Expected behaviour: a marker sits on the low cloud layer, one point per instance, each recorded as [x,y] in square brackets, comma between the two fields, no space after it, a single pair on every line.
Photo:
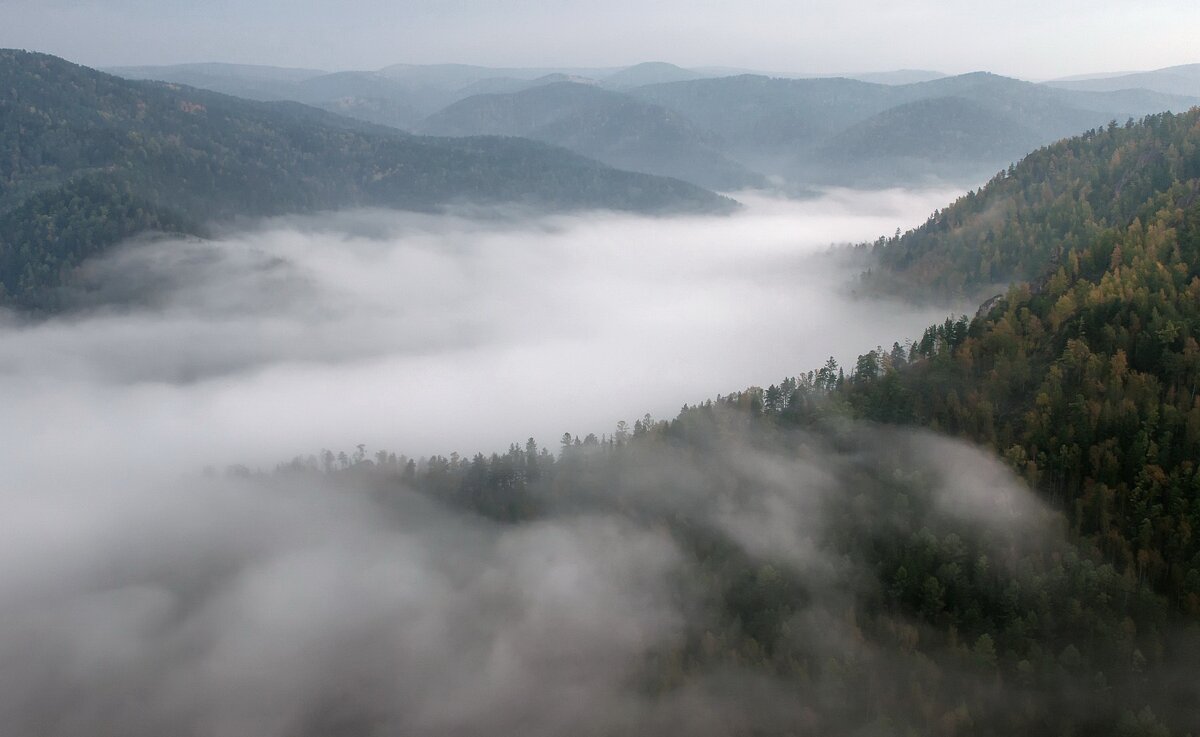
[710,587]
[141,597]
[439,333]
[224,609]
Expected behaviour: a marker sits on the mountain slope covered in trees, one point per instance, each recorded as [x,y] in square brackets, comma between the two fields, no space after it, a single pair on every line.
[1055,202]
[87,159]
[1085,380]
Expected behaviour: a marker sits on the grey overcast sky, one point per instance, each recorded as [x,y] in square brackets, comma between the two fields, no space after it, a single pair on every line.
[1033,39]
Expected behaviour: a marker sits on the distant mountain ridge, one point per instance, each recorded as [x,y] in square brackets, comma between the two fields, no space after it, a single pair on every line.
[88,159]
[726,128]
[740,130]
[791,127]
[617,129]
[899,76]
[929,140]
[1178,80]
[651,72]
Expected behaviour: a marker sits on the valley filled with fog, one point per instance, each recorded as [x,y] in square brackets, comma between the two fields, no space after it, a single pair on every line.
[430,334]
[308,604]
[381,394]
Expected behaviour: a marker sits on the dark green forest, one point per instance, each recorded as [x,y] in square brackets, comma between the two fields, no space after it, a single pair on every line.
[1085,380]
[88,159]
[884,612]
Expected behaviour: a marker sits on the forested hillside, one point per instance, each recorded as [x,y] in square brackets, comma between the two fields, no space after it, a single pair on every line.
[87,159]
[842,578]
[1086,377]
[1057,201]
[1087,384]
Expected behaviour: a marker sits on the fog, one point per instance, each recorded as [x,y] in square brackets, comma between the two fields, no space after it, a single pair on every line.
[431,334]
[143,594]
[307,606]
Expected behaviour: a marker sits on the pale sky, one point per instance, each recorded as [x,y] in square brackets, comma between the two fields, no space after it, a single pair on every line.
[1033,39]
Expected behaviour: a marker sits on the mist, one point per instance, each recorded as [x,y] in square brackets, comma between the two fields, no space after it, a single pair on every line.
[718,584]
[142,596]
[438,333]
[322,605]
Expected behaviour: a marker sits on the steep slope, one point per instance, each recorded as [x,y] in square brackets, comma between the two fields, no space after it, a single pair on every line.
[1051,204]
[609,126]
[1085,376]
[87,159]
[1085,380]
